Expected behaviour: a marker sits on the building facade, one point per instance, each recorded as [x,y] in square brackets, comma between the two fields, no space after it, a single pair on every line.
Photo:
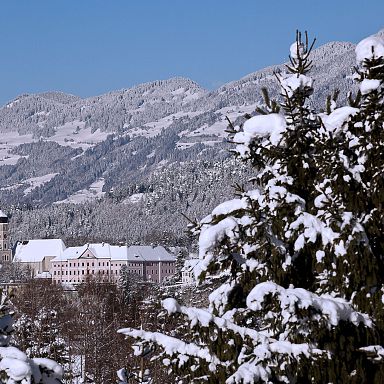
[5,249]
[104,262]
[189,272]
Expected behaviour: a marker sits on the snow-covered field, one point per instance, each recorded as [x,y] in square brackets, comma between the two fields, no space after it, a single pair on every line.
[35,182]
[133,199]
[8,141]
[94,192]
[218,129]
[71,134]
[74,135]
[153,128]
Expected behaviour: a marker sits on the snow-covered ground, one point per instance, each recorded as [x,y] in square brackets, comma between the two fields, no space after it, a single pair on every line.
[94,192]
[35,182]
[218,129]
[8,141]
[133,199]
[153,128]
[74,135]
[71,134]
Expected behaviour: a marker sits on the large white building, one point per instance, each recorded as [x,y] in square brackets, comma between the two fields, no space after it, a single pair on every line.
[51,258]
[37,254]
[104,261]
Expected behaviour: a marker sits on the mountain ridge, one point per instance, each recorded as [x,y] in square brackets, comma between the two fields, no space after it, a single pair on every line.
[115,148]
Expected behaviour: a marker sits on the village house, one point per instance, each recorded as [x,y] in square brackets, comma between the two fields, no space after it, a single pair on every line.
[188,272]
[104,261]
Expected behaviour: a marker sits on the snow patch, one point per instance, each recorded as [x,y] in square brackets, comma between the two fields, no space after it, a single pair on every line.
[94,192]
[336,309]
[293,83]
[371,47]
[263,126]
[369,85]
[37,182]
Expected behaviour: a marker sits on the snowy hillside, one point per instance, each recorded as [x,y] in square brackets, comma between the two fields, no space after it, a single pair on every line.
[124,136]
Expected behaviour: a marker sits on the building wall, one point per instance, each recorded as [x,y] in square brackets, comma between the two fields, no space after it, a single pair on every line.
[77,270]
[5,251]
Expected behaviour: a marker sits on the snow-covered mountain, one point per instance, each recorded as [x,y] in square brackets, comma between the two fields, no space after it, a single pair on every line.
[94,145]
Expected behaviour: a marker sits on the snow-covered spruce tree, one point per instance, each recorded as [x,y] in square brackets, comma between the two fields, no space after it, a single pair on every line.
[39,336]
[286,309]
[15,366]
[354,191]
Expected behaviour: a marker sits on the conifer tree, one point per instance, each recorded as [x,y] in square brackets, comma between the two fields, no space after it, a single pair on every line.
[15,366]
[294,258]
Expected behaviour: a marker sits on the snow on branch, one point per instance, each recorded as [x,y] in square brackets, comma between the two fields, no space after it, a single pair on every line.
[335,309]
[370,48]
[375,352]
[266,343]
[255,360]
[269,126]
[19,368]
[173,346]
[313,227]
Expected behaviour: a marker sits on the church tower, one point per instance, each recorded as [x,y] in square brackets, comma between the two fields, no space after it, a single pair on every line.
[5,251]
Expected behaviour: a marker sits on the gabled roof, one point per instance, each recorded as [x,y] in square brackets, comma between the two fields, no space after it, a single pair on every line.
[148,253]
[190,265]
[2,214]
[118,253]
[35,250]
[71,253]
[100,251]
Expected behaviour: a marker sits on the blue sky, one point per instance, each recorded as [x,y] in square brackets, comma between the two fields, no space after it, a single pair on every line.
[88,47]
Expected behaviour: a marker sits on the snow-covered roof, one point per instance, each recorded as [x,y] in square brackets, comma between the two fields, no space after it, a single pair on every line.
[99,250]
[118,252]
[35,250]
[190,265]
[148,253]
[71,253]
[43,275]
[2,214]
